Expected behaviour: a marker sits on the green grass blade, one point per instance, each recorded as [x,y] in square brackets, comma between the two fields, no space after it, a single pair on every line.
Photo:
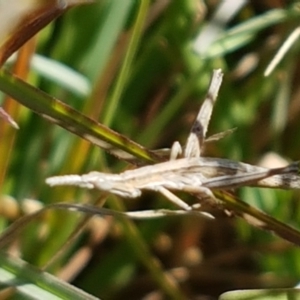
[125,69]
[112,20]
[242,34]
[258,218]
[70,119]
[263,294]
[31,283]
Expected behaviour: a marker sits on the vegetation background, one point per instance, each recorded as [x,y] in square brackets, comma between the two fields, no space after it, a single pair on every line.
[135,67]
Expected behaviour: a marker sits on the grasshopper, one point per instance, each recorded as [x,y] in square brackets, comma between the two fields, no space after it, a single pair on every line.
[189,173]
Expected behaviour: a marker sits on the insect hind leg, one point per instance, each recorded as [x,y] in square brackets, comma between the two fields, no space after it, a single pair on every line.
[174,199]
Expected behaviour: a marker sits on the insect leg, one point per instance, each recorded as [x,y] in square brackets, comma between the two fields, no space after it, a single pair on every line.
[176,151]
[173,198]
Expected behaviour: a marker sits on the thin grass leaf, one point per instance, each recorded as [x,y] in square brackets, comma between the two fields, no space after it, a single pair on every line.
[124,72]
[286,46]
[65,116]
[28,282]
[258,218]
[112,20]
[242,34]
[61,75]
[140,247]
[223,14]
[15,229]
[263,294]
[6,117]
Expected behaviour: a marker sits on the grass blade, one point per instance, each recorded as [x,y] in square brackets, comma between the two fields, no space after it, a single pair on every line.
[31,283]
[65,116]
[258,218]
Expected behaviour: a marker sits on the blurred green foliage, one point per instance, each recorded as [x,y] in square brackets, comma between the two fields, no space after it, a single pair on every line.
[145,80]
